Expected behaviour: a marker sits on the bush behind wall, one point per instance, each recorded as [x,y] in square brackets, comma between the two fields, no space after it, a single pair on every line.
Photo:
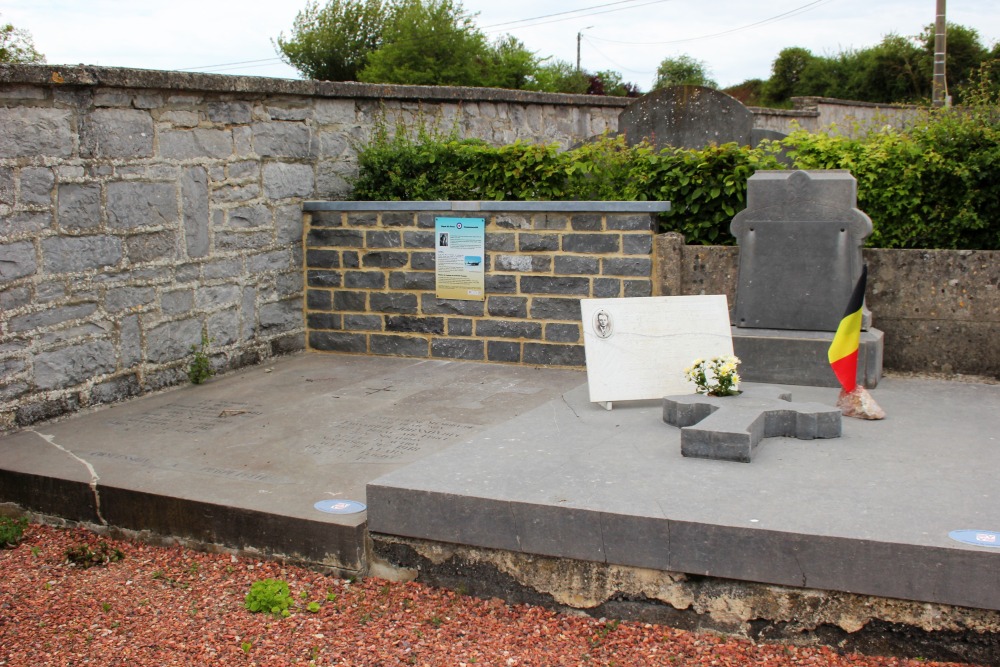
[934,185]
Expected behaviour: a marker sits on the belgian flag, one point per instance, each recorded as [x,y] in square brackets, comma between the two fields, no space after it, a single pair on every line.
[843,352]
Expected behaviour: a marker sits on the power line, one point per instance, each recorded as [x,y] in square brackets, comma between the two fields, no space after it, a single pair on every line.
[606,11]
[572,11]
[229,69]
[798,10]
[241,62]
[616,64]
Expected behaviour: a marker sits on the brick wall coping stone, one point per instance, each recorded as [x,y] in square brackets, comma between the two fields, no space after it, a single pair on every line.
[513,206]
[123,77]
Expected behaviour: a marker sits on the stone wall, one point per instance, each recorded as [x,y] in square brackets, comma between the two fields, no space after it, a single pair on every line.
[814,114]
[370,270]
[939,309]
[139,209]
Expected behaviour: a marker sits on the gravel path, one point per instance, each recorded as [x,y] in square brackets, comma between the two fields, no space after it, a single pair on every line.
[171,606]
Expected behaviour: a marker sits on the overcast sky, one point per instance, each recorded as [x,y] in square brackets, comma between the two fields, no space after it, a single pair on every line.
[736,39]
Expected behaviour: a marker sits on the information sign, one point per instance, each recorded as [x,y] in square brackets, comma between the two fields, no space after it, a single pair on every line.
[460,245]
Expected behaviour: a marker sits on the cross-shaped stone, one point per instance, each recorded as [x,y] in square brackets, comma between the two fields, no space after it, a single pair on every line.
[729,428]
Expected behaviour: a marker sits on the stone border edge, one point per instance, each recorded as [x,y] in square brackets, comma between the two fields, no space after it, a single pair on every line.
[123,77]
[493,206]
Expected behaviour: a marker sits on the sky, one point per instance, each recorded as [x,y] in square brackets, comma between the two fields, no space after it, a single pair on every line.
[735,39]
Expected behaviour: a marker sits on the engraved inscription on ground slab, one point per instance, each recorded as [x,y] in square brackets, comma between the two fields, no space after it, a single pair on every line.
[190,418]
[384,440]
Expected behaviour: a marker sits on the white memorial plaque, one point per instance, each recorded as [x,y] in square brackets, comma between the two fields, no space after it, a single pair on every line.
[638,348]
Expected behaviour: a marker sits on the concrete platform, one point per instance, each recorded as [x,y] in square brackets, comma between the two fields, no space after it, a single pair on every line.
[243,459]
[517,459]
[869,512]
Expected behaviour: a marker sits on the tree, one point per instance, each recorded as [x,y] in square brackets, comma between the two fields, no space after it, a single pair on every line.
[333,43]
[786,71]
[828,76]
[892,71]
[16,46]
[609,82]
[429,43]
[559,76]
[965,54]
[682,71]
[510,64]
[750,92]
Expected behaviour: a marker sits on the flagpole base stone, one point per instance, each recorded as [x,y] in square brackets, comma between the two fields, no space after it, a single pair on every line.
[729,428]
[859,404]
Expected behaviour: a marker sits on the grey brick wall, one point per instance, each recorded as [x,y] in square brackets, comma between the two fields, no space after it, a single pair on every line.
[531,313]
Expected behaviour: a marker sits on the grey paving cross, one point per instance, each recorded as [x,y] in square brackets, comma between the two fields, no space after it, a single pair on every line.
[729,428]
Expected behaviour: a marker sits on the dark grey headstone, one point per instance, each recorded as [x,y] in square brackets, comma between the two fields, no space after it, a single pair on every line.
[800,241]
[686,117]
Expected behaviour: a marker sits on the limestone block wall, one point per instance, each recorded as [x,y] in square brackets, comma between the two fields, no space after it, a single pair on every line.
[370,276]
[139,209]
[815,114]
[939,309]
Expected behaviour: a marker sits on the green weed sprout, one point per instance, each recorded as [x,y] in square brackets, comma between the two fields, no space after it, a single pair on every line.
[269,595]
[11,531]
[201,366]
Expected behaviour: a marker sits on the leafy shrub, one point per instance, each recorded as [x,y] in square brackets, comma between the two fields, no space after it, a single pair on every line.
[705,188]
[269,595]
[11,531]
[934,185]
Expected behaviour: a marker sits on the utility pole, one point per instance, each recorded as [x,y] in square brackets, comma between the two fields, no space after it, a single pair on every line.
[578,36]
[940,86]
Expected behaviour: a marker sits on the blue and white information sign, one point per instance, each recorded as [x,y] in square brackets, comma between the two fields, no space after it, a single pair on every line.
[340,506]
[980,538]
[460,248]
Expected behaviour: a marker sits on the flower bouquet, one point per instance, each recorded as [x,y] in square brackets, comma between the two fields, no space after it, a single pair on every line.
[716,376]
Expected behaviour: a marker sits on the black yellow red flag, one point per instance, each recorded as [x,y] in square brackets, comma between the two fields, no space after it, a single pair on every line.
[843,352]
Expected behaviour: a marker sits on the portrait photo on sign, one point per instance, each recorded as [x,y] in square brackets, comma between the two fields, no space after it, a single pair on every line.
[603,325]
[443,239]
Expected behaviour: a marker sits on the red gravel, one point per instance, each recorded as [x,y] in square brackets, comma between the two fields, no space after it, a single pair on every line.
[172,606]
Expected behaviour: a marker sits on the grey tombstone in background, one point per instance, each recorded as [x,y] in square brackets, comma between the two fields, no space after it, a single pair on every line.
[686,117]
[690,117]
[800,241]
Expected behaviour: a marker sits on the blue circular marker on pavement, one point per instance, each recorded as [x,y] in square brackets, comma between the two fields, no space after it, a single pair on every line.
[980,538]
[340,506]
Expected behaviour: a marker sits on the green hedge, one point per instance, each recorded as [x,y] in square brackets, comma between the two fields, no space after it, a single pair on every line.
[705,188]
[935,185]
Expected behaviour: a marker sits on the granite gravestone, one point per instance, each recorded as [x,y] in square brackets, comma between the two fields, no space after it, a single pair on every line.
[800,241]
[690,117]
